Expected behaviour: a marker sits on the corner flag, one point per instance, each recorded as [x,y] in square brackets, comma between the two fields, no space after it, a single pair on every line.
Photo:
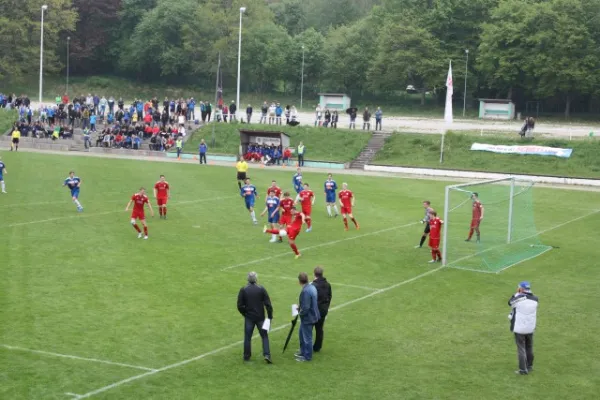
[449,92]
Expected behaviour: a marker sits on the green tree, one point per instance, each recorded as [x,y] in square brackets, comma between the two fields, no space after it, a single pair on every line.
[291,15]
[406,55]
[314,59]
[20,32]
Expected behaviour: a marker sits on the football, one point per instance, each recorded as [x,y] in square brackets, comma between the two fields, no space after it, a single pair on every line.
[282,233]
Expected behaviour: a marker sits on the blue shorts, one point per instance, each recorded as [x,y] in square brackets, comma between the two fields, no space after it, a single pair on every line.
[1,178]
[249,204]
[330,198]
[275,219]
[298,189]
[75,193]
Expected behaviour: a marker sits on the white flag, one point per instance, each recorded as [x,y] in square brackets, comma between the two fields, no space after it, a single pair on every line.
[449,92]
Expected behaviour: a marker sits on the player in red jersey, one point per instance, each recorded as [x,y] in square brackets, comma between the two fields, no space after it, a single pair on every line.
[292,229]
[285,206]
[139,199]
[162,195]
[274,188]
[306,198]
[435,228]
[346,203]
[476,218]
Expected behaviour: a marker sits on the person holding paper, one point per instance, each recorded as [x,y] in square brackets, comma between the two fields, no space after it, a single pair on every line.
[252,301]
[324,296]
[309,315]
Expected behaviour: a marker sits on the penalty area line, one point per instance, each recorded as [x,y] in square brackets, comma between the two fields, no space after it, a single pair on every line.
[229,346]
[320,245]
[49,353]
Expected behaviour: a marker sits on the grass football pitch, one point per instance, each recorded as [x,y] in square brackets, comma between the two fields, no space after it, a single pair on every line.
[89,311]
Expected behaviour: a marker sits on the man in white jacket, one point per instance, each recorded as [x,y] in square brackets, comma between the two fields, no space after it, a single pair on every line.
[522,323]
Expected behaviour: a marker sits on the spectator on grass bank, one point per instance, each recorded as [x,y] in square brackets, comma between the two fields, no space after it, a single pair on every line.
[202,149]
[378,117]
[278,114]
[352,118]
[327,118]
[301,150]
[318,115]
[249,113]
[272,109]
[527,128]
[366,119]
[309,315]
[264,109]
[252,301]
[324,296]
[334,119]
[232,111]
[523,318]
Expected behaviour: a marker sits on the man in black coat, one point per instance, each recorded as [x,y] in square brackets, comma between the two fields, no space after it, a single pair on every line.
[251,303]
[323,300]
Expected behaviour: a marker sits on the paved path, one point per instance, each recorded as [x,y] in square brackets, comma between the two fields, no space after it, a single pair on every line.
[437,125]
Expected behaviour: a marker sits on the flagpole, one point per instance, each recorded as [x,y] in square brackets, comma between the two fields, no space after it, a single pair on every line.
[448,116]
[216,99]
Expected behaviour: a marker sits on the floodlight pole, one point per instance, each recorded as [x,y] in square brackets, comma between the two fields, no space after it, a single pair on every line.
[466,73]
[237,99]
[44,8]
[302,79]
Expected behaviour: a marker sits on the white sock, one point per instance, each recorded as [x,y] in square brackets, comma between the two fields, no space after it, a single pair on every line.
[3,186]
[253,215]
[335,209]
[273,237]
[329,210]
[77,203]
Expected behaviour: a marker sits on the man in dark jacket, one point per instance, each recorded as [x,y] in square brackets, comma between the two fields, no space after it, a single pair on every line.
[323,301]
[251,303]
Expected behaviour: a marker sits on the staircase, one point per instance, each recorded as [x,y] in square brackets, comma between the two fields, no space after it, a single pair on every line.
[368,154]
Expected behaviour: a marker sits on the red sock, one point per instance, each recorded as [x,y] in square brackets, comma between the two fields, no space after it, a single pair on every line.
[146,230]
[346,223]
[137,228]
[165,211]
[273,231]
[294,248]
[470,234]
[353,220]
[160,212]
[308,222]
[433,254]
[439,255]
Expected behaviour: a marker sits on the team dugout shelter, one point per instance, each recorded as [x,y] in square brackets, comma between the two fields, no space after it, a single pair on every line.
[334,101]
[262,138]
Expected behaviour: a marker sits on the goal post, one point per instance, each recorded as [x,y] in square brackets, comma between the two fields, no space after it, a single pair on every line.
[508,231]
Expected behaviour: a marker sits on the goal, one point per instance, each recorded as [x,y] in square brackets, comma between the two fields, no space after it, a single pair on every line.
[508,232]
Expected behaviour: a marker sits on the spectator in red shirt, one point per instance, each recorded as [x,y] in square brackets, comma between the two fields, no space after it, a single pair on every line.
[148,118]
[119,140]
[287,154]
[65,99]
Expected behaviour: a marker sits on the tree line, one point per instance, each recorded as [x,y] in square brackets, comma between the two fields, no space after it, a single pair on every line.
[545,50]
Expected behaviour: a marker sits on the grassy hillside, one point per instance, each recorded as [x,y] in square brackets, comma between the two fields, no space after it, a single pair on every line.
[322,144]
[424,151]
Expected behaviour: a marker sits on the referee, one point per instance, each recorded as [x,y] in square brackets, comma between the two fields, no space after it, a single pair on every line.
[16,135]
[242,168]
[425,220]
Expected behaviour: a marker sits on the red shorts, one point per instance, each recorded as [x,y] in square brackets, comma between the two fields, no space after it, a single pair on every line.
[285,219]
[292,233]
[306,211]
[161,201]
[475,223]
[138,215]
[434,243]
[346,210]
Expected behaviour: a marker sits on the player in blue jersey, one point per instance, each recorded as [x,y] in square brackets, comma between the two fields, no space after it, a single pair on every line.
[297,181]
[249,193]
[2,172]
[272,207]
[330,198]
[74,183]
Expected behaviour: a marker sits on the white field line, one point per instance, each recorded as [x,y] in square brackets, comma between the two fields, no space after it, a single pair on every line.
[48,353]
[229,346]
[525,238]
[320,245]
[289,278]
[525,259]
[84,215]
